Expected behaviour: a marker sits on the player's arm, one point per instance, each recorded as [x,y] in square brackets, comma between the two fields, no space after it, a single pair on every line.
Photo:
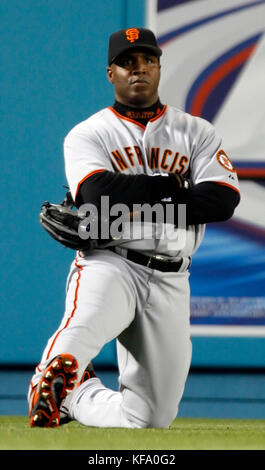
[209,202]
[127,189]
[214,193]
[205,202]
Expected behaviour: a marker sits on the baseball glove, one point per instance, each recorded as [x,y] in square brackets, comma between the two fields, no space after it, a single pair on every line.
[61,221]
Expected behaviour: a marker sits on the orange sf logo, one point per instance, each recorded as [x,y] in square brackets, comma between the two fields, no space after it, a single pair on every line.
[132,34]
[225,161]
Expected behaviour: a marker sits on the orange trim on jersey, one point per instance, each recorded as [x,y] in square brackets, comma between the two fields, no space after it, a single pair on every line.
[126,118]
[85,177]
[136,122]
[80,268]
[228,185]
[160,114]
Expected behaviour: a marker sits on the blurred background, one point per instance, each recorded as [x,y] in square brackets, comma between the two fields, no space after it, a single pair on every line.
[54,55]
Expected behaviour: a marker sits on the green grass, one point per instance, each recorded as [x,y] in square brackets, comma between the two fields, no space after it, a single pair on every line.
[184,434]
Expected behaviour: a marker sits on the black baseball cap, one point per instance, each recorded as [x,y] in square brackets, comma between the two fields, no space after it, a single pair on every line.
[129,38]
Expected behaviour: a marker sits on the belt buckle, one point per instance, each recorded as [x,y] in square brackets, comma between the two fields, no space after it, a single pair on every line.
[158,258]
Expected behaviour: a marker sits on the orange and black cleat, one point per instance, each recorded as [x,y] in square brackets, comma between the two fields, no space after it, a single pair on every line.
[58,380]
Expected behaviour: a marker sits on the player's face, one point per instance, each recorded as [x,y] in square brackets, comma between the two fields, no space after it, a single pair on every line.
[135,76]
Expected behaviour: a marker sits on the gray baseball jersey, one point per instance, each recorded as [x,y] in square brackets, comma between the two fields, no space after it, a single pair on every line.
[172,142]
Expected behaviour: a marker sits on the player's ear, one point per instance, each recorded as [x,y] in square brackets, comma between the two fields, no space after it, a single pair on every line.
[110,74]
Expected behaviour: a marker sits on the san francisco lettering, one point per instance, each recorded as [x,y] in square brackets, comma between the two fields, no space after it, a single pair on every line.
[166,159]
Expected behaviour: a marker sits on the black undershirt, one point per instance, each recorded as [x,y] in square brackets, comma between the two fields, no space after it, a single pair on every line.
[205,202]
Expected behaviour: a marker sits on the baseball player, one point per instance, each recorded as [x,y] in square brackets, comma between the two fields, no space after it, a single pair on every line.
[135,289]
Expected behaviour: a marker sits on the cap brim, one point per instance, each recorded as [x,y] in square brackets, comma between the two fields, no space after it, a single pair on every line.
[157,51]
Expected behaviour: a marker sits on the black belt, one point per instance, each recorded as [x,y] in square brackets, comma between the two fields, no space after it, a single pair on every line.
[152,262]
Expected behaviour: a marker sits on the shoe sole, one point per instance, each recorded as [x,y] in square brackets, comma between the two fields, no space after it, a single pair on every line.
[57,381]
